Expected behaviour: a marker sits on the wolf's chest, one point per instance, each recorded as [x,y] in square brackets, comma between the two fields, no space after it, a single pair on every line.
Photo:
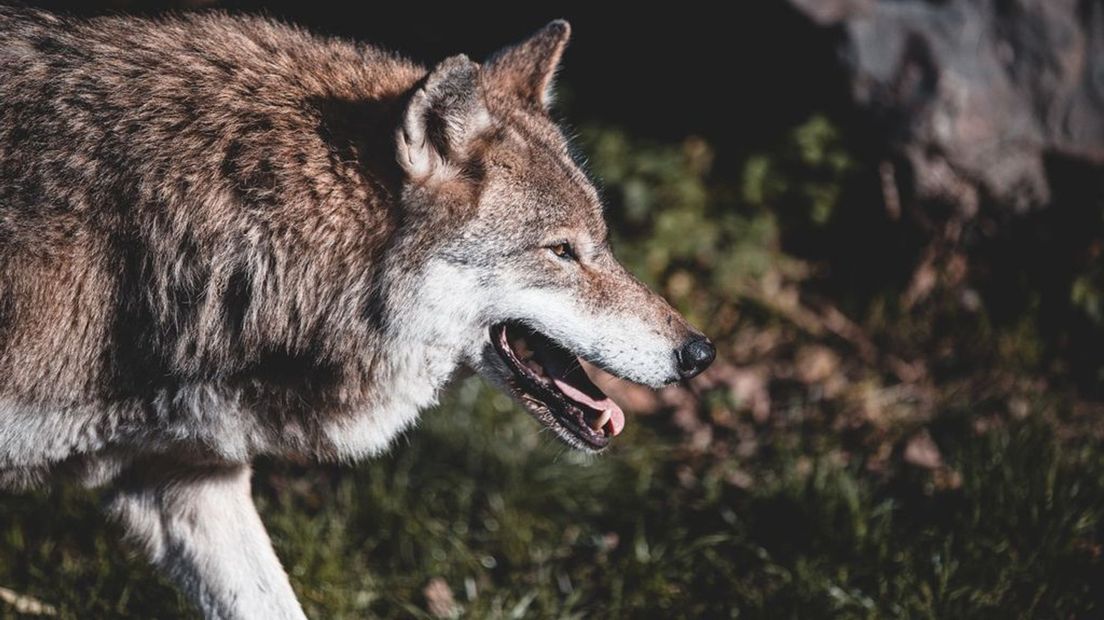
[413,383]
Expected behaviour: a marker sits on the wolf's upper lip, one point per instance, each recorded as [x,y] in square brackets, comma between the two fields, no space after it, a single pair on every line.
[549,374]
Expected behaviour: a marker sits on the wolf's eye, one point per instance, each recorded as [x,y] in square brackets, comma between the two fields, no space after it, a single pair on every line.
[563,250]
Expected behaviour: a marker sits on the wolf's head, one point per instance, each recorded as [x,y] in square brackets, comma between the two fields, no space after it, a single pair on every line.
[518,235]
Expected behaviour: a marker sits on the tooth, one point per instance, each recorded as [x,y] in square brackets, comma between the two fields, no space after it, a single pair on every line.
[600,423]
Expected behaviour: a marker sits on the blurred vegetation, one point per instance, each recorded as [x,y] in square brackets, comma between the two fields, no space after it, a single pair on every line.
[900,424]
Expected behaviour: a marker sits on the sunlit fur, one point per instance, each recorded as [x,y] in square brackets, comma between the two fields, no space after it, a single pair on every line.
[222,237]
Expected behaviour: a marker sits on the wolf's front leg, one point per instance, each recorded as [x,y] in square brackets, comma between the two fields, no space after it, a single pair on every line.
[200,526]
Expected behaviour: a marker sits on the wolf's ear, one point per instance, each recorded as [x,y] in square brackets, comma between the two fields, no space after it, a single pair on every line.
[442,118]
[527,69]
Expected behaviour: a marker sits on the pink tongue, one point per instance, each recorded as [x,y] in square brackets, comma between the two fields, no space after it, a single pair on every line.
[617,416]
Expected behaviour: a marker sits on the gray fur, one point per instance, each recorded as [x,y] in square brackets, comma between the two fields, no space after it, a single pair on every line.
[222,237]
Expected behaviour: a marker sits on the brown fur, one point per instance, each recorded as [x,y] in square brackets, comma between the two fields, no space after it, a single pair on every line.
[223,236]
[178,176]
[214,200]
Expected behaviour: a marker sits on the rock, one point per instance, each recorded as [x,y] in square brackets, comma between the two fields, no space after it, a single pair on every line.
[975,94]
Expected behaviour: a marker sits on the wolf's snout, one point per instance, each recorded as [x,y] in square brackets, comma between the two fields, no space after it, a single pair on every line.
[695,356]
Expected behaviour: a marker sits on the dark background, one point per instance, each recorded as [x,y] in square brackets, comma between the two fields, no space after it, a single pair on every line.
[904,419]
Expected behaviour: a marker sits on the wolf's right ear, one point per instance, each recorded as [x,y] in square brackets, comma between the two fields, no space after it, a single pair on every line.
[442,118]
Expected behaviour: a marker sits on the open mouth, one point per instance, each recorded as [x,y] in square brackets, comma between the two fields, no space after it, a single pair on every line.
[550,380]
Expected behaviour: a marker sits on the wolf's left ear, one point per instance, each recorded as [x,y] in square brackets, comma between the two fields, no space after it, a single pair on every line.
[442,119]
[527,69]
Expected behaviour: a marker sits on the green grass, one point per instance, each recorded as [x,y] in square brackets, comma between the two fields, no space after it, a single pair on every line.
[521,528]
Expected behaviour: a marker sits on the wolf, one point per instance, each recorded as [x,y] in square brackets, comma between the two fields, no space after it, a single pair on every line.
[223,237]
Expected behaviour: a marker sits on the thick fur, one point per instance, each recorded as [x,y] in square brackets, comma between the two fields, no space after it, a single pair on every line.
[222,237]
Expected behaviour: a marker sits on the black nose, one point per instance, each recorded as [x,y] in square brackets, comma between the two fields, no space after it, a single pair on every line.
[695,356]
